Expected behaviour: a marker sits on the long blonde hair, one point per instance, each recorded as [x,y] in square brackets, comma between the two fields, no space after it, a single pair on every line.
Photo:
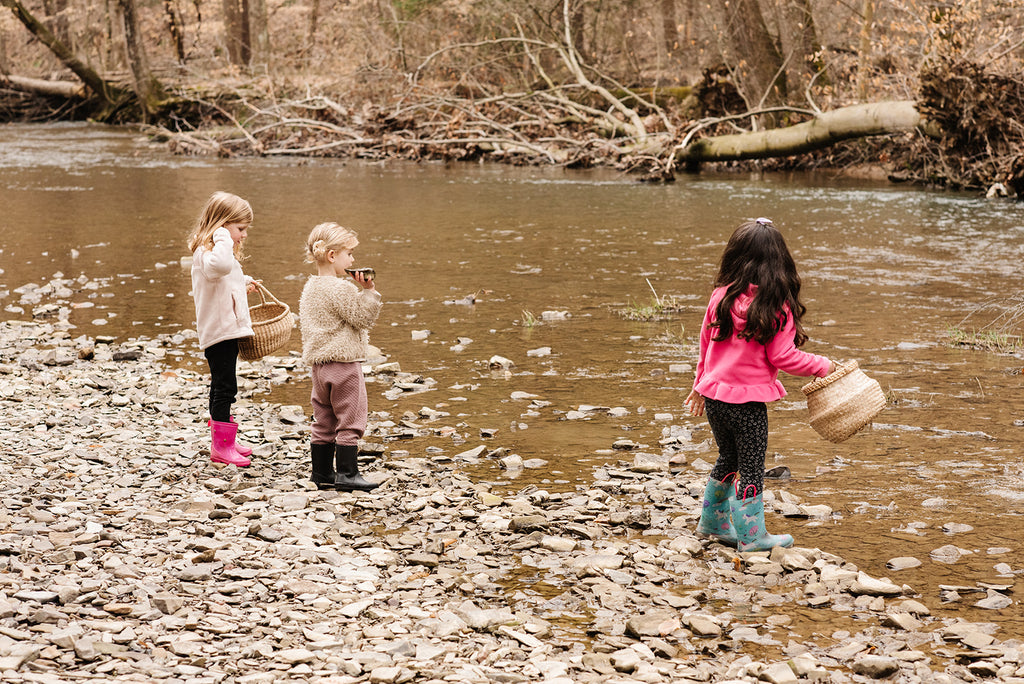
[327,236]
[221,209]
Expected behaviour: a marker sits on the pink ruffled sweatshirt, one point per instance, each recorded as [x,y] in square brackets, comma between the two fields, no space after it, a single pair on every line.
[736,370]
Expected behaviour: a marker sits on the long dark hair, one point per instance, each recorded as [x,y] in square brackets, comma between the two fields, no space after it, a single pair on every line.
[757,255]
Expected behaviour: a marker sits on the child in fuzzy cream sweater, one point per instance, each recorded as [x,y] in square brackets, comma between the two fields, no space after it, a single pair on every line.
[335,316]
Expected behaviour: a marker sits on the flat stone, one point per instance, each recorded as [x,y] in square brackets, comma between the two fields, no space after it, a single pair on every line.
[654,623]
[558,544]
[779,673]
[994,601]
[876,667]
[702,626]
[865,584]
[293,656]
[902,563]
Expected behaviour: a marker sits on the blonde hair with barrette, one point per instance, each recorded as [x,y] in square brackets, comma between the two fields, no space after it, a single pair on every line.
[327,236]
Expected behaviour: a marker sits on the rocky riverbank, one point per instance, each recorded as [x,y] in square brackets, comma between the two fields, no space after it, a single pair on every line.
[125,555]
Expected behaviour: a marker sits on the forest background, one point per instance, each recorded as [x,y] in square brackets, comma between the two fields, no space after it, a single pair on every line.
[925,91]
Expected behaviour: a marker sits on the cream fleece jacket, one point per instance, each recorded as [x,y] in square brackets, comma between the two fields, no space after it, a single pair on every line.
[335,316]
[218,287]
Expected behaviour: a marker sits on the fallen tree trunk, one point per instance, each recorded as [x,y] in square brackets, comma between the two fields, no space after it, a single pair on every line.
[66,89]
[828,128]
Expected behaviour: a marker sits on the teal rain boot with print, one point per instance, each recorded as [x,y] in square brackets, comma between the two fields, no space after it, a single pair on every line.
[748,519]
[716,514]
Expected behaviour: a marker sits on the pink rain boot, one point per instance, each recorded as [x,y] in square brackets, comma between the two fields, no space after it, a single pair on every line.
[222,448]
[242,449]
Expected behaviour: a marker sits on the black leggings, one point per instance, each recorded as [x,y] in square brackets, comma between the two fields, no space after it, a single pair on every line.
[741,431]
[223,382]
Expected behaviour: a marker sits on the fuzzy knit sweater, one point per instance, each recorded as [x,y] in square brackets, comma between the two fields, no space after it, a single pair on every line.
[335,317]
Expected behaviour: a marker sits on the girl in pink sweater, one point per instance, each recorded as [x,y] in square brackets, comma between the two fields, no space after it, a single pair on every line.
[222,312]
[751,331]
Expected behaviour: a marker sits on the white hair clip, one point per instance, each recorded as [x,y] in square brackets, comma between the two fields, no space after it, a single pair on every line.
[763,221]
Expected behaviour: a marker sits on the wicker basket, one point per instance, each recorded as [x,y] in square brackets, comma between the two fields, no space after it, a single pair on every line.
[272,325]
[842,403]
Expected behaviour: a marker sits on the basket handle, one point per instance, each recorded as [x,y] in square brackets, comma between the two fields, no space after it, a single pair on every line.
[263,292]
[841,370]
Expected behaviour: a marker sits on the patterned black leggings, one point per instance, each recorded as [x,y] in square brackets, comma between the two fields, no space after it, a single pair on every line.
[741,431]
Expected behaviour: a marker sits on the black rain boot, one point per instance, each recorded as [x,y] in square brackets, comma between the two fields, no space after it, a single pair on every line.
[348,478]
[322,456]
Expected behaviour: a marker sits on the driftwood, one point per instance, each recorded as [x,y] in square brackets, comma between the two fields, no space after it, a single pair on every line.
[67,89]
[824,130]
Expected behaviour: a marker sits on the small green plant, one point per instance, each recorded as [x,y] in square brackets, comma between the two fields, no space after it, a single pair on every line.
[657,309]
[674,336]
[643,312]
[984,340]
[529,320]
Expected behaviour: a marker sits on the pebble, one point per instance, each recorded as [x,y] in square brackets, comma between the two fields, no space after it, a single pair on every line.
[125,555]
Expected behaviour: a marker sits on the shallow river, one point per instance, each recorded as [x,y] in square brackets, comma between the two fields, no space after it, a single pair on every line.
[887,272]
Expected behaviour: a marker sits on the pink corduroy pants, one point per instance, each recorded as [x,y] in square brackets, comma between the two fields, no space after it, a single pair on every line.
[339,403]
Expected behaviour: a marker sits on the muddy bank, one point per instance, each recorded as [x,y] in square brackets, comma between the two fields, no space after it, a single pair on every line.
[126,554]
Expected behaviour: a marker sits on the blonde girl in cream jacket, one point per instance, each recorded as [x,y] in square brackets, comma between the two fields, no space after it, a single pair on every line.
[336,312]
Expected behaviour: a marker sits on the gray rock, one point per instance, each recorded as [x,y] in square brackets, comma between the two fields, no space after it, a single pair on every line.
[902,563]
[779,673]
[652,624]
[948,554]
[994,601]
[626,660]
[876,667]
[865,584]
[702,626]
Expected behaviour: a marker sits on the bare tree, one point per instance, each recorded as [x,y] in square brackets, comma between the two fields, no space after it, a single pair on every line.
[259,31]
[175,26]
[759,66]
[802,64]
[314,18]
[864,53]
[236,31]
[57,10]
[577,27]
[147,88]
[4,67]
[670,28]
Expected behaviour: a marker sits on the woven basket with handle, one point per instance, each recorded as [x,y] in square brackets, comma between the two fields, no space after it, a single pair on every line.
[842,403]
[272,325]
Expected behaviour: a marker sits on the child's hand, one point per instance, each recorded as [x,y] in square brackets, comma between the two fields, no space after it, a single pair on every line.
[361,278]
[251,285]
[695,403]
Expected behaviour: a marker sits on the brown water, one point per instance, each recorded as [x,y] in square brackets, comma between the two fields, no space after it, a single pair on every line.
[887,270]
